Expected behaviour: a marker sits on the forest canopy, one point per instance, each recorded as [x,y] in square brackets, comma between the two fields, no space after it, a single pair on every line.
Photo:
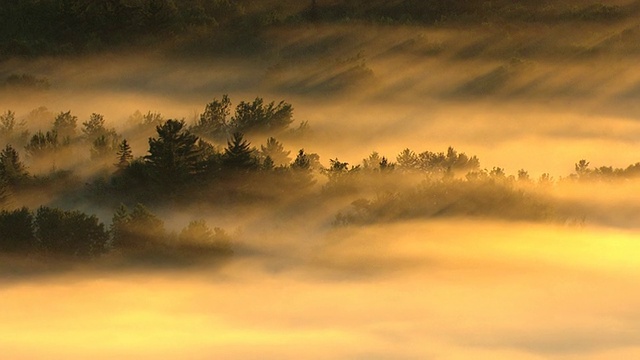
[210,163]
[37,27]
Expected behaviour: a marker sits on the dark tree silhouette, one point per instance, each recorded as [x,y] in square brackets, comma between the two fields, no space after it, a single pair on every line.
[69,233]
[302,171]
[105,145]
[17,231]
[125,156]
[42,144]
[260,118]
[12,170]
[173,155]
[238,155]
[213,123]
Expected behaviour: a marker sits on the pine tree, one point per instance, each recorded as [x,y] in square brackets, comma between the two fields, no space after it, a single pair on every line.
[275,151]
[238,155]
[12,170]
[213,123]
[173,155]
[124,155]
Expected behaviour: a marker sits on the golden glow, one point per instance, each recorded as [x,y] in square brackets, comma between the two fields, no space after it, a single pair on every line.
[445,289]
[455,289]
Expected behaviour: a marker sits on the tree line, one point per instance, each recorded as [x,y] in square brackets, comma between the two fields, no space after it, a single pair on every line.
[54,232]
[192,164]
[38,27]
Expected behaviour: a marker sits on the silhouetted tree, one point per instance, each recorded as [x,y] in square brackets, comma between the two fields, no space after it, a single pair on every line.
[213,122]
[17,231]
[173,155]
[125,156]
[523,176]
[385,165]
[238,155]
[267,164]
[12,170]
[105,145]
[65,125]
[582,169]
[261,118]
[94,127]
[302,171]
[42,144]
[275,151]
[69,233]
[12,131]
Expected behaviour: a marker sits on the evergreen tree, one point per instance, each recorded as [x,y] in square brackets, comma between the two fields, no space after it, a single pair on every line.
[12,170]
[238,155]
[213,122]
[69,233]
[301,171]
[173,155]
[125,156]
[17,231]
[261,118]
[275,151]
[407,160]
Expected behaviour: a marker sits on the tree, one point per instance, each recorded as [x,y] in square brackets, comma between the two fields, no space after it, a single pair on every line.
[213,122]
[13,131]
[372,162]
[407,160]
[17,231]
[69,233]
[94,127]
[523,176]
[275,151]
[137,230]
[582,169]
[105,145]
[301,162]
[12,170]
[173,155]
[41,144]
[198,236]
[125,156]
[261,118]
[65,125]
[301,170]
[238,155]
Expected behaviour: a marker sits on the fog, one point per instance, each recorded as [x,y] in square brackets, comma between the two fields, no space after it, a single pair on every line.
[450,290]
[462,285]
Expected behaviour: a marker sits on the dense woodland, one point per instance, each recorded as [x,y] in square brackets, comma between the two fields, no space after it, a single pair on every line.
[238,154]
[37,27]
[210,162]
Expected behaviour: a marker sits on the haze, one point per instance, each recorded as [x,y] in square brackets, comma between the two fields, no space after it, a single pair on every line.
[362,269]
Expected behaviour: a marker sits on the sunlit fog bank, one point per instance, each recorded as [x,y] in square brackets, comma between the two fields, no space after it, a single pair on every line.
[449,290]
[327,180]
[533,96]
